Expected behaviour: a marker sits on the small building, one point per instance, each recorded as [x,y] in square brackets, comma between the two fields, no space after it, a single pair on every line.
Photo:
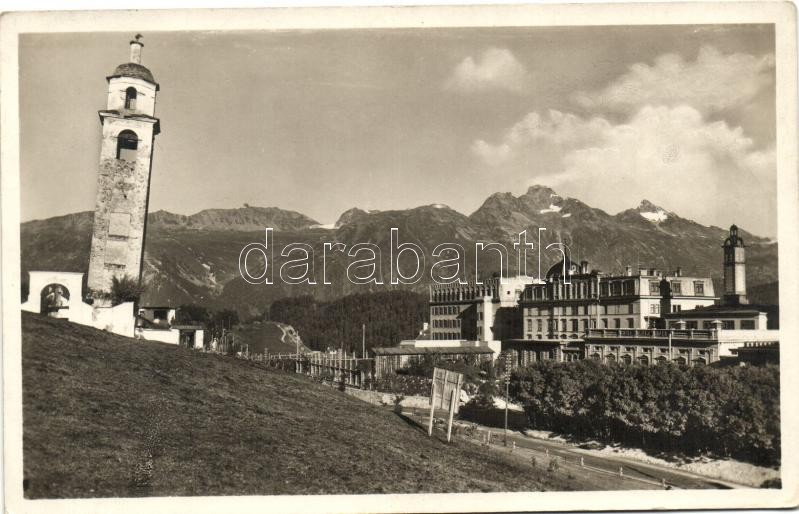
[757,354]
[159,324]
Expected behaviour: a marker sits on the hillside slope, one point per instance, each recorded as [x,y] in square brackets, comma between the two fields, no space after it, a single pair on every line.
[106,416]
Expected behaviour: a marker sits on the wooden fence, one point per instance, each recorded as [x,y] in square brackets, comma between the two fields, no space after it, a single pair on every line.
[338,368]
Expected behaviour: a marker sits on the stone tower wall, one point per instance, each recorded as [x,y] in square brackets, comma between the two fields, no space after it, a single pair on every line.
[121,206]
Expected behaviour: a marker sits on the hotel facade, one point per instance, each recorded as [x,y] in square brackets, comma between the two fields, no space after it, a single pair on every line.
[645,316]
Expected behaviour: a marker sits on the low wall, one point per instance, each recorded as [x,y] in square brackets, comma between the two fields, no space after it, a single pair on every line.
[165,336]
[378,398]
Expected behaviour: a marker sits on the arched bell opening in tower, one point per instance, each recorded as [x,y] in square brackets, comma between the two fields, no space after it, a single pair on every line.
[130,98]
[127,145]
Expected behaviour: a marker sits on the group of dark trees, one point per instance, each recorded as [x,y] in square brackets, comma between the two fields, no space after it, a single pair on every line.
[389,318]
[211,320]
[726,411]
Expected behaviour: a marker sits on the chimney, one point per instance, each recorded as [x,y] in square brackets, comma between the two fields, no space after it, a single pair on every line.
[135,49]
[678,272]
[584,267]
[628,271]
[642,271]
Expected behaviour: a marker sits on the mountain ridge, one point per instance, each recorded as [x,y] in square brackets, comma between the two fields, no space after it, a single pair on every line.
[195,258]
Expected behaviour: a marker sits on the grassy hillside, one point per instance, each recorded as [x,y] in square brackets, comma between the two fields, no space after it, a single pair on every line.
[110,416]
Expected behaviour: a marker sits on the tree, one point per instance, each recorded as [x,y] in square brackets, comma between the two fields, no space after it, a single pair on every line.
[226,318]
[126,289]
[193,313]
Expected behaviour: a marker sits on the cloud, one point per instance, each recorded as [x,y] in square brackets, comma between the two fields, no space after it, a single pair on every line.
[496,68]
[703,170]
[713,82]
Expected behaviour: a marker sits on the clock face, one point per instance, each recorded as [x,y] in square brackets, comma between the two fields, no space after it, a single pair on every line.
[572,269]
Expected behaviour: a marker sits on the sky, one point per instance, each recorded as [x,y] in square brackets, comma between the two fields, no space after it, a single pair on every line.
[323,121]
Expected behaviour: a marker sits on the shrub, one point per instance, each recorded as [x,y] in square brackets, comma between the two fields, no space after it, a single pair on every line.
[126,289]
[729,411]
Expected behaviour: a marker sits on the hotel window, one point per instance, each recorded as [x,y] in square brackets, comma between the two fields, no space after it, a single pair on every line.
[629,287]
[575,328]
[676,287]
[563,327]
[676,308]
[573,310]
[585,325]
[630,322]
[747,324]
[707,325]
[630,308]
[699,288]
[616,323]
[529,325]
[603,289]
[615,289]
[728,324]
[692,325]
[654,287]
[539,325]
[604,323]
[654,308]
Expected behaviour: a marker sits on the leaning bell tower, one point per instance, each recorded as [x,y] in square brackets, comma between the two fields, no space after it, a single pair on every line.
[129,127]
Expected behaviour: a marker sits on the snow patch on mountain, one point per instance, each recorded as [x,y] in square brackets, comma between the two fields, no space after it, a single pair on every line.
[567,215]
[552,208]
[327,226]
[656,216]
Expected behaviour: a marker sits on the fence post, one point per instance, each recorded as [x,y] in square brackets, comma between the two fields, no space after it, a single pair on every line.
[432,409]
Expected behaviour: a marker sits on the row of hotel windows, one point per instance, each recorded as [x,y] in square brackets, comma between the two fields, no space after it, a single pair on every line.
[446,323]
[726,324]
[446,336]
[577,310]
[616,288]
[648,349]
[446,309]
[575,325]
[470,293]
[645,360]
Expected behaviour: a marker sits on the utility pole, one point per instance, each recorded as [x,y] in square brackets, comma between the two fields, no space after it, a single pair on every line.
[363,340]
[507,381]
[670,356]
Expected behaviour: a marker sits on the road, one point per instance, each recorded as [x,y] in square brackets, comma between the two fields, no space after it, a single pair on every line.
[634,474]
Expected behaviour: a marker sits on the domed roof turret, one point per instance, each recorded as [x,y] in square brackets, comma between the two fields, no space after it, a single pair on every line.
[133,70]
[734,239]
[556,271]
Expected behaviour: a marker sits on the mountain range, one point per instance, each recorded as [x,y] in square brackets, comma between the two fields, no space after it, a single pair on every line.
[194,259]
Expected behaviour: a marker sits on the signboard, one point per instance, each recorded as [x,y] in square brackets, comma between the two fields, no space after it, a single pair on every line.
[445,394]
